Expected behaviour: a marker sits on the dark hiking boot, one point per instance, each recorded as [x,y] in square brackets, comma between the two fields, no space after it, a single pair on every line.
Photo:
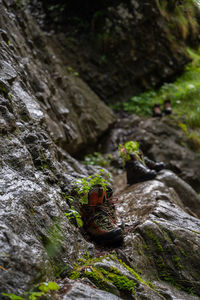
[167,107]
[157,166]
[156,111]
[99,217]
[136,171]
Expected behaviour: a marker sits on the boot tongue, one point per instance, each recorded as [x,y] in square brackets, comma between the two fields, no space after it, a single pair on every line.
[134,157]
[100,191]
[137,157]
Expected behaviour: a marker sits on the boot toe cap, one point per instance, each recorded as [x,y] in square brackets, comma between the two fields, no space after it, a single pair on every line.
[160,166]
[112,237]
[152,174]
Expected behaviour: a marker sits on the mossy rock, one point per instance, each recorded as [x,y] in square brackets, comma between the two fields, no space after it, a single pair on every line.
[111,274]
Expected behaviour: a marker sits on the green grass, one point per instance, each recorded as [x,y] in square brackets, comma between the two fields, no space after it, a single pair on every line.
[184,94]
[98,159]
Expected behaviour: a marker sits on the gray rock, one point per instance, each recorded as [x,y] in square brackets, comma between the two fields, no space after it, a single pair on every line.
[170,292]
[188,196]
[78,291]
[35,233]
[73,113]
[162,240]
[36,238]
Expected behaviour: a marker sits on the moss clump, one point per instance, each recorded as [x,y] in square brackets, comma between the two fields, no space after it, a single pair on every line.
[164,260]
[3,89]
[164,273]
[97,277]
[105,279]
[169,263]
[154,239]
[183,252]
[146,247]
[160,263]
[176,260]
[197,232]
[75,275]
[119,280]
[135,274]
[168,275]
[86,260]
[194,141]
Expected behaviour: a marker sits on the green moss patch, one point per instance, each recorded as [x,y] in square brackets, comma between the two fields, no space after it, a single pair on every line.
[109,277]
[154,239]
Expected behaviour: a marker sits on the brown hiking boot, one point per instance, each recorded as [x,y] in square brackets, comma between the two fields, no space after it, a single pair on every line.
[157,166]
[156,111]
[167,107]
[99,220]
[96,195]
[109,205]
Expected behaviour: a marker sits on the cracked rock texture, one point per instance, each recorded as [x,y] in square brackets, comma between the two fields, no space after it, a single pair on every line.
[35,74]
[48,114]
[45,113]
[162,240]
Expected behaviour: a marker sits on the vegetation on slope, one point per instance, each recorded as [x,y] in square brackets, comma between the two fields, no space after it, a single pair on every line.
[184,94]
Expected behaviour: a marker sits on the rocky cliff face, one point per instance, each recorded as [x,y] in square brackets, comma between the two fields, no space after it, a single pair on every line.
[47,114]
[124,47]
[35,70]
[43,105]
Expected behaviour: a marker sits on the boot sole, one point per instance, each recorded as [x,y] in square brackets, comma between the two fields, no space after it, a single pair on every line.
[141,180]
[110,238]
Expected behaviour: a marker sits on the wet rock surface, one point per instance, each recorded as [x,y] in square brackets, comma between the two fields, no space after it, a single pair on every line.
[161,140]
[34,71]
[162,239]
[39,120]
[36,237]
[47,113]
[159,257]
[83,290]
